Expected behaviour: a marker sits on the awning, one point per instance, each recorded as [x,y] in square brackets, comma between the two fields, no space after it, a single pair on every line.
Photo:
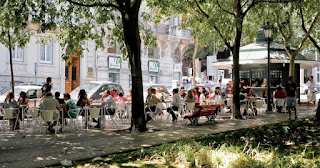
[304,64]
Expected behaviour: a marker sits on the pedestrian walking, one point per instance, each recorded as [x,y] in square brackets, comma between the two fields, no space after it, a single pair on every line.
[291,97]
[311,91]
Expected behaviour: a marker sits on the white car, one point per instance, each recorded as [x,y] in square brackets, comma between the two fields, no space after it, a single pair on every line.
[33,92]
[95,89]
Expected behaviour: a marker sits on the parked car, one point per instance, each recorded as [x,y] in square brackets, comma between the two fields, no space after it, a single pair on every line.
[95,89]
[33,92]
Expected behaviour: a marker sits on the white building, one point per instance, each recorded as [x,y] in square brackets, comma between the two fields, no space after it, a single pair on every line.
[36,62]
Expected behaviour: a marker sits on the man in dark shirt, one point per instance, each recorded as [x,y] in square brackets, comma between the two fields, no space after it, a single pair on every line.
[291,97]
[46,88]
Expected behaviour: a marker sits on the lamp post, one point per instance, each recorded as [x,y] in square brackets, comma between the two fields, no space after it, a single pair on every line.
[268,33]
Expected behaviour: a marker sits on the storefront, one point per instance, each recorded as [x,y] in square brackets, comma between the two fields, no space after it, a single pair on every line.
[114,65]
[253,62]
[153,68]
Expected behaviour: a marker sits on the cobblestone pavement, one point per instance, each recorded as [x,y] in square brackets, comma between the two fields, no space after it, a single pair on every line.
[28,148]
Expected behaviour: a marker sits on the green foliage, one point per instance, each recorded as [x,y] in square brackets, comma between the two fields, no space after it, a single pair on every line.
[290,21]
[251,147]
[14,19]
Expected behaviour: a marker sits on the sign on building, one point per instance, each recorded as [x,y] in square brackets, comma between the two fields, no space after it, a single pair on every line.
[114,62]
[177,67]
[153,66]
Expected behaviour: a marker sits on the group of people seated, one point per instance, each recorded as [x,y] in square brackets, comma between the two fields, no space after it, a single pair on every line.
[198,94]
[10,102]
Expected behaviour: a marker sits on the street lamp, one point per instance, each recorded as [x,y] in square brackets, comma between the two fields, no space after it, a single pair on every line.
[268,33]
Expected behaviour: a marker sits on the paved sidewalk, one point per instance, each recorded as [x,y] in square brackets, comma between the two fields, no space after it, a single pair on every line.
[32,149]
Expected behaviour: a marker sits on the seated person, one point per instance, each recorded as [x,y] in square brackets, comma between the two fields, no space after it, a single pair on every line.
[250,95]
[264,93]
[203,97]
[151,102]
[108,101]
[279,94]
[121,98]
[129,96]
[62,103]
[69,102]
[190,97]
[49,103]
[175,104]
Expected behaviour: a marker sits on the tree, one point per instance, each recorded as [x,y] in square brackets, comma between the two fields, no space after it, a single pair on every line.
[287,24]
[226,22]
[81,20]
[14,32]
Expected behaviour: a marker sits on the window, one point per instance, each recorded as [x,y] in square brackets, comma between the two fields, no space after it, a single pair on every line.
[114,77]
[66,73]
[150,53]
[276,74]
[118,49]
[46,53]
[17,54]
[258,74]
[244,74]
[153,79]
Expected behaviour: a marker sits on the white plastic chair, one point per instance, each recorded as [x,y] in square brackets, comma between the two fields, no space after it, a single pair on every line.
[179,110]
[95,113]
[280,103]
[74,115]
[33,115]
[50,116]
[11,113]
[260,105]
[189,108]
[120,111]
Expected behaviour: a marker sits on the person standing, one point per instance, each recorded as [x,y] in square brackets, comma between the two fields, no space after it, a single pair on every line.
[46,88]
[291,97]
[311,91]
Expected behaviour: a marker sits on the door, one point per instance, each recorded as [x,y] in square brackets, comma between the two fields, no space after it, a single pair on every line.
[72,74]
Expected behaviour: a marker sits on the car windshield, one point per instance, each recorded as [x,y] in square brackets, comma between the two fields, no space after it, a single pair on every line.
[17,91]
[88,87]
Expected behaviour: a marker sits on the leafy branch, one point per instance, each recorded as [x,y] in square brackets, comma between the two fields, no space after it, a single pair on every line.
[306,31]
[95,4]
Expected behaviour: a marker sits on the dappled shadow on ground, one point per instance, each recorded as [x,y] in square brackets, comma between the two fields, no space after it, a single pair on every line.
[28,146]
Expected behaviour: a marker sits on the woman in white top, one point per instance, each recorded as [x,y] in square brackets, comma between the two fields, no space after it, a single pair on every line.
[203,97]
[311,90]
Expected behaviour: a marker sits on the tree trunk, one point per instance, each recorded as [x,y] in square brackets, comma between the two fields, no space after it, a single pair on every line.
[292,66]
[194,61]
[236,66]
[133,45]
[11,66]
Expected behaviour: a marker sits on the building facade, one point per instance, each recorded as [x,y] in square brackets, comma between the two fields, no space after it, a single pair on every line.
[36,62]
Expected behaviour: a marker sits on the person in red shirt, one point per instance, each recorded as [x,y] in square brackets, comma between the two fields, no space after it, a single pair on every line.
[279,94]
